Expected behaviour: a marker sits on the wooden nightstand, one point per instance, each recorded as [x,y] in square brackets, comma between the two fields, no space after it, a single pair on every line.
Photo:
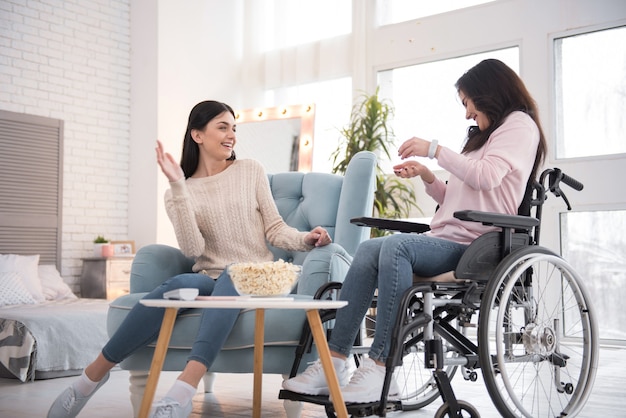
[105,277]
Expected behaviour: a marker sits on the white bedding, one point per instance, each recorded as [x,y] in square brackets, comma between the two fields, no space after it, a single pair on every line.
[39,340]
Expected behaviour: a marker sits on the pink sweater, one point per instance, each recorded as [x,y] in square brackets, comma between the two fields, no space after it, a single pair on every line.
[491,179]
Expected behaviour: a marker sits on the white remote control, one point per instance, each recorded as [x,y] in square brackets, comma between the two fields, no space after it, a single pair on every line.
[185,293]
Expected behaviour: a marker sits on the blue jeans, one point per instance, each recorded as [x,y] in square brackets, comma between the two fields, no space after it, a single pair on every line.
[142,324]
[387,263]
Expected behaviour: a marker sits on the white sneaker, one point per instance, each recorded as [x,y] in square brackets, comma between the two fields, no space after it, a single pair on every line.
[367,383]
[312,381]
[169,408]
[69,403]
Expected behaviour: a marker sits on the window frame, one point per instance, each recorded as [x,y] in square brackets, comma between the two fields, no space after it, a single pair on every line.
[553,99]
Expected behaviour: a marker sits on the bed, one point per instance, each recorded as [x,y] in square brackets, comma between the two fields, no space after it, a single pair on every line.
[45,330]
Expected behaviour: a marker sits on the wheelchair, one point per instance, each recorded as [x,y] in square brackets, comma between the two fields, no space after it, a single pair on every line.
[513,309]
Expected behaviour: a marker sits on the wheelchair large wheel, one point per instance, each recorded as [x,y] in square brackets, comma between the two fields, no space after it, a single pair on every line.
[538,342]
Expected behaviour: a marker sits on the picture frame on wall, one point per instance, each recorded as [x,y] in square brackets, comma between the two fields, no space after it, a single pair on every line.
[123,248]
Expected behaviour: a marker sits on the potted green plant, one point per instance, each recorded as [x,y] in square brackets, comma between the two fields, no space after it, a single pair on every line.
[98,243]
[369,129]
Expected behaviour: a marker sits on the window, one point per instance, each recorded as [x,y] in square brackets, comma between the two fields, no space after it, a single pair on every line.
[396,11]
[590,78]
[293,22]
[593,244]
[426,102]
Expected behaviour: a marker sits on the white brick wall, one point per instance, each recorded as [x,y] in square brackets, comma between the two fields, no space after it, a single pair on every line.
[70,60]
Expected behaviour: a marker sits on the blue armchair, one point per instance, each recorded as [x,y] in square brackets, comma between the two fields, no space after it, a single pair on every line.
[304,200]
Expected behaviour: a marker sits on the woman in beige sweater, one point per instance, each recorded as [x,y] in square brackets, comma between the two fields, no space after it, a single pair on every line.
[223,212]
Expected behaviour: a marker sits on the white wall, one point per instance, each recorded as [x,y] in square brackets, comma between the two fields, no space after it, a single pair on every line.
[199,55]
[143,176]
[69,60]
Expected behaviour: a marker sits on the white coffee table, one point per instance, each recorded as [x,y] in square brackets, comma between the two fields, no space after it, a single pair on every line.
[311,306]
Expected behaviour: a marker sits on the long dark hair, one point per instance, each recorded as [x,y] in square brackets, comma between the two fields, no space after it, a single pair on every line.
[200,115]
[497,90]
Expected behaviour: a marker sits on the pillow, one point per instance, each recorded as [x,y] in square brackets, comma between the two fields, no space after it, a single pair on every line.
[13,291]
[26,267]
[52,283]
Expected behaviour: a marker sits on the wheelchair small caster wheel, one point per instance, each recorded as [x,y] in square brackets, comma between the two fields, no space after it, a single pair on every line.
[468,408]
[473,376]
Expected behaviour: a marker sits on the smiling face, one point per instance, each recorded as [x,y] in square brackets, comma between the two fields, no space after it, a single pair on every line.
[218,138]
[471,112]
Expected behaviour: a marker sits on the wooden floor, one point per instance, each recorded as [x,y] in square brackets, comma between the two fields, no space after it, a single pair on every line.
[233,395]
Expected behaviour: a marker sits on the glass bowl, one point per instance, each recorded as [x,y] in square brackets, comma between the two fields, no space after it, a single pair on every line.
[267,279]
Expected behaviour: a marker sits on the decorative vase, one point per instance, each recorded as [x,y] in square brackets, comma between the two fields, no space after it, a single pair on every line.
[98,249]
[108,250]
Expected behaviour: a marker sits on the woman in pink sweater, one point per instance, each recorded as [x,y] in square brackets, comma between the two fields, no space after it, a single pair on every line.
[490,174]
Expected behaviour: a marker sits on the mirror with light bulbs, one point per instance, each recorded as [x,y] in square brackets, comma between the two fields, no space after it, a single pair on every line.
[280,138]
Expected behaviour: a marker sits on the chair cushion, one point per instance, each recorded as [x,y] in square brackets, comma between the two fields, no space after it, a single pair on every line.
[305,201]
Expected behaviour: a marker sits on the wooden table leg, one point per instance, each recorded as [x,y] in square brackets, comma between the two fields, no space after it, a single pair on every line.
[259,340]
[157,360]
[319,336]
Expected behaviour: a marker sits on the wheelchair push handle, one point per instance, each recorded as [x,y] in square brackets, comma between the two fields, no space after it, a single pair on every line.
[555,177]
[571,182]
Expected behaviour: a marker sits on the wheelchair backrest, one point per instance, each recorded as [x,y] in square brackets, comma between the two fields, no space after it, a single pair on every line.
[486,252]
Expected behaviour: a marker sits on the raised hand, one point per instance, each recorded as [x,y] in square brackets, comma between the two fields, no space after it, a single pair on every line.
[169,166]
[414,147]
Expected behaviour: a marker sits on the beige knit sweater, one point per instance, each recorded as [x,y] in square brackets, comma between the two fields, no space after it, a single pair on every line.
[226,218]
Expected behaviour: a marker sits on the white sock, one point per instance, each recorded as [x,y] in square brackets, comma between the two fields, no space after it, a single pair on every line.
[181,392]
[84,385]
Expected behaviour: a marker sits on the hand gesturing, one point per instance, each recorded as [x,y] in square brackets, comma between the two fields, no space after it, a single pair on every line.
[169,166]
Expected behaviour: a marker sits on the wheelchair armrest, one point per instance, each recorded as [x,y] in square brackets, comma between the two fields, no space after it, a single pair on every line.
[497,219]
[390,224]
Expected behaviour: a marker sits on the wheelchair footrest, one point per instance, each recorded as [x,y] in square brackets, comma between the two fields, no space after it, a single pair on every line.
[294,396]
[354,409]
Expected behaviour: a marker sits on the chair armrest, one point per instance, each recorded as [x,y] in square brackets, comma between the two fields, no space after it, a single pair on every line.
[497,219]
[155,263]
[322,265]
[390,224]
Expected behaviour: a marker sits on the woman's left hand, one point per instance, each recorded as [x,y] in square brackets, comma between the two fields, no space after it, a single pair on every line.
[318,237]
[408,169]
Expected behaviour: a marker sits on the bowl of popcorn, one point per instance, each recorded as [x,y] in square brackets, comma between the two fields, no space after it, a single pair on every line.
[270,278]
